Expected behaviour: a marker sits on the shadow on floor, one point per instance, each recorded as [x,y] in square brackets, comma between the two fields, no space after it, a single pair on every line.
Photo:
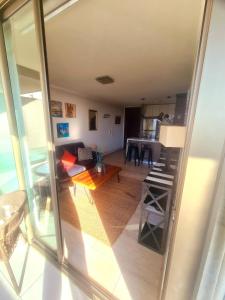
[108,234]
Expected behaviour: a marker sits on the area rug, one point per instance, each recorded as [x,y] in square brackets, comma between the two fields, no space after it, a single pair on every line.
[113,205]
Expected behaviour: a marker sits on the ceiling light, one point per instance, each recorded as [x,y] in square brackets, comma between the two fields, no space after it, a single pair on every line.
[105,79]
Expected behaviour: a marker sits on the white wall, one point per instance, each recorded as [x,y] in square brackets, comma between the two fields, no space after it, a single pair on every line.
[108,137]
[204,159]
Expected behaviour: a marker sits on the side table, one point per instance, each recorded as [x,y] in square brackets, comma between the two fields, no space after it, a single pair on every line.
[155,209]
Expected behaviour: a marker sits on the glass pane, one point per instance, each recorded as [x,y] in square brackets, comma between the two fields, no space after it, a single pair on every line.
[8,176]
[24,66]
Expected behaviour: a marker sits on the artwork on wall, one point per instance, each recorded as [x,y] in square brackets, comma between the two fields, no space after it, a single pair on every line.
[56,109]
[105,116]
[70,110]
[93,115]
[62,130]
[117,120]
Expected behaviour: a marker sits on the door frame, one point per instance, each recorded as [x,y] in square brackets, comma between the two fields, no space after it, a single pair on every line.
[13,7]
[9,7]
[192,105]
[44,79]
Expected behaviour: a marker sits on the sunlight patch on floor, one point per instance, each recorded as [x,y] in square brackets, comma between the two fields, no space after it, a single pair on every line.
[125,268]
[42,280]
[86,197]
[103,267]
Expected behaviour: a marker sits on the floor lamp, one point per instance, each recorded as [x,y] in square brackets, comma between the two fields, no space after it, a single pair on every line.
[171,136]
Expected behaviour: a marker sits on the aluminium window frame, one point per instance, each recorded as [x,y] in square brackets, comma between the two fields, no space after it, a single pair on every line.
[8,8]
[40,36]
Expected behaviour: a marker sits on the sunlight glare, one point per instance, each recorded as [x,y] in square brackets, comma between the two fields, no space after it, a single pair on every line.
[103,266]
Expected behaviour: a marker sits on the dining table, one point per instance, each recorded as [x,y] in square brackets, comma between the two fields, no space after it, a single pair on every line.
[42,169]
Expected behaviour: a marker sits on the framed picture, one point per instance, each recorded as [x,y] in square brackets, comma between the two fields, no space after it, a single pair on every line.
[62,130]
[93,115]
[117,120]
[70,110]
[105,116]
[56,109]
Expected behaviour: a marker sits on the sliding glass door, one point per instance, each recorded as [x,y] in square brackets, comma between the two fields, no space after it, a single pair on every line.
[25,66]
[8,175]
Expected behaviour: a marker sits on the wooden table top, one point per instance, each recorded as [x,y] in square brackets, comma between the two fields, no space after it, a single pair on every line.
[92,180]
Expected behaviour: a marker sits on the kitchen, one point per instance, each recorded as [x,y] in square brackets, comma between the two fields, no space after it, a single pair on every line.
[142,123]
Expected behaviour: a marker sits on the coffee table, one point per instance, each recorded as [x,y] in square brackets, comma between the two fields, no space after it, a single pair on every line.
[92,180]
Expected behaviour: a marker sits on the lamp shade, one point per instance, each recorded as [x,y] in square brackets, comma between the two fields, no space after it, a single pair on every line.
[172,136]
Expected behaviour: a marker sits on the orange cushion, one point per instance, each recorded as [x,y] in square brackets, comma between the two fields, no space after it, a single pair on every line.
[68,159]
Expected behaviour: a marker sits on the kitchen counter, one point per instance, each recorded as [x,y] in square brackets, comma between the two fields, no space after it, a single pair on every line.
[155,145]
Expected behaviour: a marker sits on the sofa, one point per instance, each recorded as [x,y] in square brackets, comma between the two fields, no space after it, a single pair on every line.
[79,166]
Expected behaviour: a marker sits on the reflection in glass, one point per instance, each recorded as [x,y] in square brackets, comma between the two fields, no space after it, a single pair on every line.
[8,176]
[24,66]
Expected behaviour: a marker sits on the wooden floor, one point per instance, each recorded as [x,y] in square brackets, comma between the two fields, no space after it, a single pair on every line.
[126,269]
[114,203]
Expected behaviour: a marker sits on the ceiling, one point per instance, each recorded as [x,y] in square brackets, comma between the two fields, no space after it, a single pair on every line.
[148,47]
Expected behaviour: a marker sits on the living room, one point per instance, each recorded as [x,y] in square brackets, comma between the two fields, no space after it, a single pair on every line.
[146,64]
[100,227]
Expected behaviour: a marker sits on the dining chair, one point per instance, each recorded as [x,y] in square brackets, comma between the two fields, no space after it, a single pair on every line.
[12,213]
